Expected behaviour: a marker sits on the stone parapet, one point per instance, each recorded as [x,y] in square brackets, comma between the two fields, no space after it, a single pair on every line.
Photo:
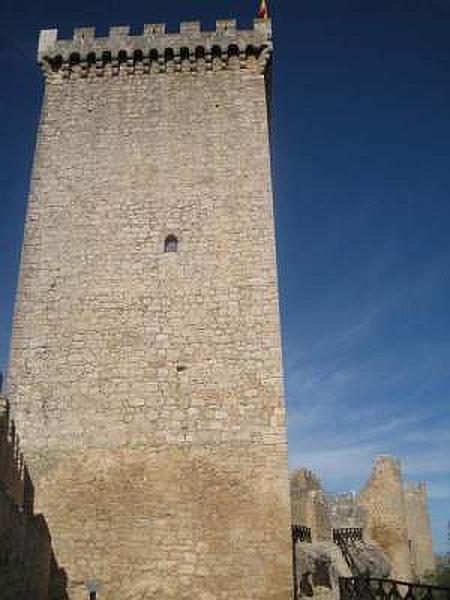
[157,51]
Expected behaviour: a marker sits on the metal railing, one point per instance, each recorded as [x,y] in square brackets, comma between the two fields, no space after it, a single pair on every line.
[345,538]
[301,534]
[347,534]
[372,588]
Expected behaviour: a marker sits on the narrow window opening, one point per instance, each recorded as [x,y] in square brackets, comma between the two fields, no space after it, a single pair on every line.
[171,244]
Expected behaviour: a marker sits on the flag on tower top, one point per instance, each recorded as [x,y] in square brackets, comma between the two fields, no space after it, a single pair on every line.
[263,12]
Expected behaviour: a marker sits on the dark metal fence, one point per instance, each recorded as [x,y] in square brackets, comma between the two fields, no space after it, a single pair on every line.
[301,534]
[345,539]
[372,588]
[347,534]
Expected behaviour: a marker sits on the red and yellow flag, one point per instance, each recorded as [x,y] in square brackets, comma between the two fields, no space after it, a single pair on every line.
[263,12]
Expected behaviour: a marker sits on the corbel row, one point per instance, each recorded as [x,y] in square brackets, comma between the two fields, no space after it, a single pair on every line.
[126,63]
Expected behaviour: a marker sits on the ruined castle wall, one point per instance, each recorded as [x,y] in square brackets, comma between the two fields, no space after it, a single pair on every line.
[419,530]
[147,386]
[347,512]
[25,553]
[302,483]
[384,500]
[322,522]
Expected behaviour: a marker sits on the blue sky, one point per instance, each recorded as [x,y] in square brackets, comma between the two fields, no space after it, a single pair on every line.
[361,145]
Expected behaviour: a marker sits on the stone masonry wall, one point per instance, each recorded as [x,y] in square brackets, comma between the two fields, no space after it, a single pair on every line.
[419,530]
[148,385]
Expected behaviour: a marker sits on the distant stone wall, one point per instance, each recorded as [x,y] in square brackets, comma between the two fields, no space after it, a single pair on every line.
[419,529]
[347,512]
[309,504]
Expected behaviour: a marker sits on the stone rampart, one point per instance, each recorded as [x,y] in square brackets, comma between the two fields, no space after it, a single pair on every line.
[14,476]
[25,545]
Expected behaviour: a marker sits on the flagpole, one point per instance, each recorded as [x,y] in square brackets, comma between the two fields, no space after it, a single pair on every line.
[263,12]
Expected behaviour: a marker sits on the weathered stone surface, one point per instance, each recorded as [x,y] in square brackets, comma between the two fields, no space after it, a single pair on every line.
[368,558]
[319,566]
[147,385]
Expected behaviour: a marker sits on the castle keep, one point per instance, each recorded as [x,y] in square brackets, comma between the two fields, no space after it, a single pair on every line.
[145,374]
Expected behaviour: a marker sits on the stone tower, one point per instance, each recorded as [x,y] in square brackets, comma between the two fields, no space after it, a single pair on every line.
[420,538]
[145,372]
[383,498]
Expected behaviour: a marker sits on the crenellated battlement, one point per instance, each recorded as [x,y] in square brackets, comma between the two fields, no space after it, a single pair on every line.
[14,476]
[191,49]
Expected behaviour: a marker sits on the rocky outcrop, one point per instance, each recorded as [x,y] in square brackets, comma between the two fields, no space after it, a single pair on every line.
[319,566]
[369,559]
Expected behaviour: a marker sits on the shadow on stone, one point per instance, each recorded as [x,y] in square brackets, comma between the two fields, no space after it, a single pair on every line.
[27,564]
